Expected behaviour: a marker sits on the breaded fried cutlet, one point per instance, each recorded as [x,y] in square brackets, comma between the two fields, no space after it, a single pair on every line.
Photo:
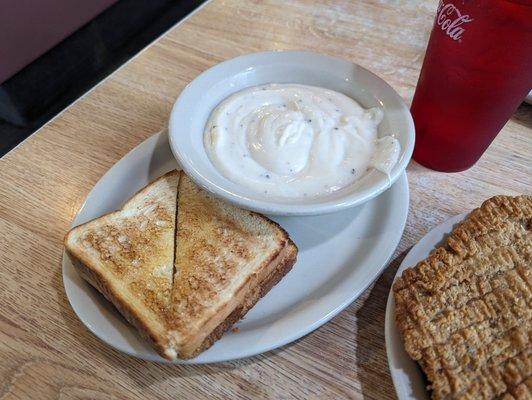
[465,312]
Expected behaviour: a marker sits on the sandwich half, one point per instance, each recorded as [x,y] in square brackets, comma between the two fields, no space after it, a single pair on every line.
[180,265]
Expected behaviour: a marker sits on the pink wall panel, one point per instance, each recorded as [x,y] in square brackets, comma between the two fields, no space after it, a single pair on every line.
[28,28]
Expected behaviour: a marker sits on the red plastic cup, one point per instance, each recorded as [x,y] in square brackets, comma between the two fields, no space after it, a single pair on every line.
[476,71]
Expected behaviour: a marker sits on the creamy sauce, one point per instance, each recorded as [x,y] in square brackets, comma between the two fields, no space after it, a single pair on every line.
[296,141]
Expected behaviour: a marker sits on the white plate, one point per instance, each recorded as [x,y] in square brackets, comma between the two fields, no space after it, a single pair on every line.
[406,375]
[197,100]
[339,256]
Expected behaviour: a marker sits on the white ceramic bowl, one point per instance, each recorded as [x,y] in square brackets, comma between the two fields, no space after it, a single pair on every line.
[197,100]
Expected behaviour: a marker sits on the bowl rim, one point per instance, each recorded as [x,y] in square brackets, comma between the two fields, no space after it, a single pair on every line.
[272,207]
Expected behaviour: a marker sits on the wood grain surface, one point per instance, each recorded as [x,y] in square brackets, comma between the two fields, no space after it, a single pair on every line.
[46,352]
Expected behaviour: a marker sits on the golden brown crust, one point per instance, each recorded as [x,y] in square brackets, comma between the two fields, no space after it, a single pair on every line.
[151,330]
[222,254]
[138,193]
[253,282]
[252,297]
[465,312]
[108,264]
[99,282]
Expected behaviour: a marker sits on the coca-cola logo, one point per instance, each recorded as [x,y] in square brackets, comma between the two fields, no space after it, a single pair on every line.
[451,21]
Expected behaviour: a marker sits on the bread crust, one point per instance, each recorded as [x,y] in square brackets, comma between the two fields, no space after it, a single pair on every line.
[464,312]
[281,264]
[156,333]
[190,340]
[158,340]
[92,275]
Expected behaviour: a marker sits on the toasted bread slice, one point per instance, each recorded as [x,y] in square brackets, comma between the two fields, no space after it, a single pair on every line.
[226,259]
[128,256]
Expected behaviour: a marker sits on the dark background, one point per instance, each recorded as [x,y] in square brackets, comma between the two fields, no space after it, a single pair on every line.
[53,81]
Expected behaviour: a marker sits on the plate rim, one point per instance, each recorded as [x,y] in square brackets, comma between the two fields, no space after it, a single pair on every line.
[390,328]
[154,141]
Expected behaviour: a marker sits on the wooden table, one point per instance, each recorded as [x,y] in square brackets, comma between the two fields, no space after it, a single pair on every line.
[46,352]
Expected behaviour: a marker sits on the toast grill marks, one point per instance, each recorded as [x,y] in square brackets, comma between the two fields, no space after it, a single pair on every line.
[217,247]
[465,312]
[225,259]
[133,243]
